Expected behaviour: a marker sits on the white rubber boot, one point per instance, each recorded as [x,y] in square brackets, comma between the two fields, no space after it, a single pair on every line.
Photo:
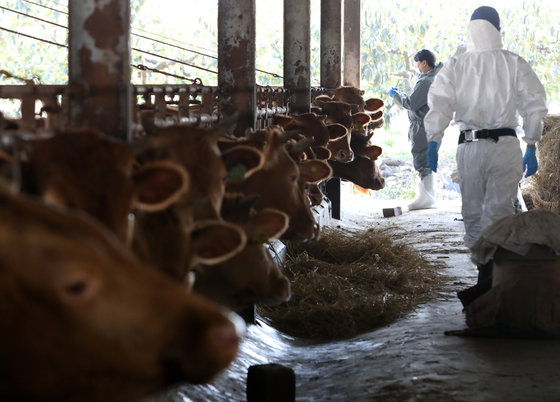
[426,195]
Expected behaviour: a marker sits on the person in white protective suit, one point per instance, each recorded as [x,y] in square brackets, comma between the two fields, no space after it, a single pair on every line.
[485,90]
[416,103]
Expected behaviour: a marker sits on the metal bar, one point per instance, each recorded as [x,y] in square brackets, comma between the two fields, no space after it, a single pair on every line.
[17,91]
[236,62]
[331,43]
[99,59]
[297,54]
[203,118]
[351,71]
[168,89]
[269,111]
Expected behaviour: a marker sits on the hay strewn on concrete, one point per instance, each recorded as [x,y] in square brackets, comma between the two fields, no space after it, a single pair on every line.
[544,186]
[347,283]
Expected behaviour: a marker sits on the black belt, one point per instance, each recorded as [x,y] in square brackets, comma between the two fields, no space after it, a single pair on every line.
[475,135]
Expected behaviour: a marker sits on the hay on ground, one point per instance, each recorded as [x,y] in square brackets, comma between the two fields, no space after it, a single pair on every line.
[544,186]
[350,282]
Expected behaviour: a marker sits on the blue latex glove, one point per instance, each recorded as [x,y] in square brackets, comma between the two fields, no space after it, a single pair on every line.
[392,91]
[530,164]
[432,155]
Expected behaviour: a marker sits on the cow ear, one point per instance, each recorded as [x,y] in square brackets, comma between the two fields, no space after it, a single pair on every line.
[314,171]
[336,131]
[267,225]
[242,161]
[376,116]
[361,118]
[322,153]
[372,152]
[374,104]
[214,241]
[316,110]
[160,184]
[274,138]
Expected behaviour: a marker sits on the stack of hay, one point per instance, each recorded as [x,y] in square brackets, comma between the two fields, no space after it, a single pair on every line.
[349,282]
[544,186]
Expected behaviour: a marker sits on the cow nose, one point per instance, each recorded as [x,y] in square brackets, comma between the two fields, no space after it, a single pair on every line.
[345,156]
[198,353]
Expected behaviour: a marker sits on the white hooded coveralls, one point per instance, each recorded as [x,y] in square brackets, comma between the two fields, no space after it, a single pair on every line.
[486,87]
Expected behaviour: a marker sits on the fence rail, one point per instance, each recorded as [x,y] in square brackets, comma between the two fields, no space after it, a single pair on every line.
[47,106]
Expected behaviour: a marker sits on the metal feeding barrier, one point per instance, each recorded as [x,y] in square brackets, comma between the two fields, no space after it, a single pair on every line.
[46,107]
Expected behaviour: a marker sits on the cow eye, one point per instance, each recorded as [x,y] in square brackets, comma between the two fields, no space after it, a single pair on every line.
[75,288]
[293,178]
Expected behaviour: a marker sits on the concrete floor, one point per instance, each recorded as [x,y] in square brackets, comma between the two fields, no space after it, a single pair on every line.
[410,360]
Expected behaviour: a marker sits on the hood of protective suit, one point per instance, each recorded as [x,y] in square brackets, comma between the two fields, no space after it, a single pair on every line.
[482,35]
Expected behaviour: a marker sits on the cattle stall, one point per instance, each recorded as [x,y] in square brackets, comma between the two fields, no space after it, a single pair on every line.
[100,93]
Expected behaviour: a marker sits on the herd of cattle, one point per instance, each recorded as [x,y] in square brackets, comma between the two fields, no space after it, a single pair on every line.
[120,262]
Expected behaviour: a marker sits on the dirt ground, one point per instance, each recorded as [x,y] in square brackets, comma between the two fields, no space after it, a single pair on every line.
[411,359]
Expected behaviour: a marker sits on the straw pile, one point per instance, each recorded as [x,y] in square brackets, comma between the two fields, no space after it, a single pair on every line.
[544,186]
[350,282]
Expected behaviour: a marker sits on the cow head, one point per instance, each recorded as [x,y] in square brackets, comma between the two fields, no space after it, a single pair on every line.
[362,170]
[277,185]
[339,144]
[251,276]
[82,319]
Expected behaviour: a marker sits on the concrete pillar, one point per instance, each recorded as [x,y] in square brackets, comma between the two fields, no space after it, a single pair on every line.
[297,54]
[236,62]
[99,65]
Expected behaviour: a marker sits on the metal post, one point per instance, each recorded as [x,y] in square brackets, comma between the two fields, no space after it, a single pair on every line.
[331,43]
[331,71]
[297,54]
[99,65]
[352,46]
[236,62]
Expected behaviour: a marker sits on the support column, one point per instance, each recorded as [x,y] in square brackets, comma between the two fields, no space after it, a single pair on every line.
[99,63]
[297,54]
[236,62]
[331,72]
[331,43]
[352,45]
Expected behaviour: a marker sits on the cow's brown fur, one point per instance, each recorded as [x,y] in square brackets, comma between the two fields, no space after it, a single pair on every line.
[84,320]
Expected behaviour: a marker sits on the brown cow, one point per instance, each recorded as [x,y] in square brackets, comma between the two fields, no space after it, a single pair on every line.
[191,231]
[170,241]
[277,185]
[83,320]
[362,170]
[339,144]
[251,276]
[85,170]
[309,124]
[196,149]
[350,95]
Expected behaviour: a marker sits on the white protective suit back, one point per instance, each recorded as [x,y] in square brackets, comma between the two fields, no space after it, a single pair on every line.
[485,88]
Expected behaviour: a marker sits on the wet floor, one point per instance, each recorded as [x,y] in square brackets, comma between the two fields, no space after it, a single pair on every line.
[410,360]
